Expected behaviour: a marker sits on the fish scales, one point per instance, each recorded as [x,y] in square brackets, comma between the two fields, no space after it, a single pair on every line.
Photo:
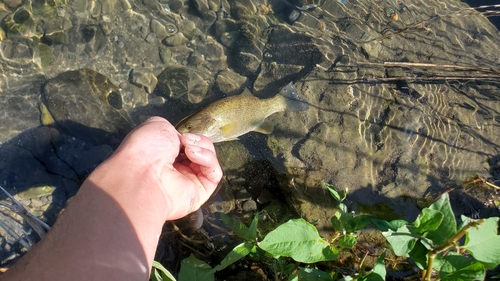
[231,117]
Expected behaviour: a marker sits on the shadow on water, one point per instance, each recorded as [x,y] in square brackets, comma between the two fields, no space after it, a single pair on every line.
[47,156]
[43,168]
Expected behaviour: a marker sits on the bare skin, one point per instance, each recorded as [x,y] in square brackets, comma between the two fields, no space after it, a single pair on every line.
[111,228]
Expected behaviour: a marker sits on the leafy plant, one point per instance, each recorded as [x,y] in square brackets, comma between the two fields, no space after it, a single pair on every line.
[433,241]
[160,273]
[294,249]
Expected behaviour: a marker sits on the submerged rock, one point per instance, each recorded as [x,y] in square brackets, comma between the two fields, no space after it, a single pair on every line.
[144,78]
[87,105]
[187,83]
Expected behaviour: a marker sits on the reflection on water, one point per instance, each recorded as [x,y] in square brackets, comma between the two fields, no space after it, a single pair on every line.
[403,94]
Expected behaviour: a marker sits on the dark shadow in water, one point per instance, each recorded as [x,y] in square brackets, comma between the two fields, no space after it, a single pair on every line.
[52,165]
[49,156]
[85,230]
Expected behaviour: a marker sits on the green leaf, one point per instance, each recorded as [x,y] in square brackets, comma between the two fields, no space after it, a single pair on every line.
[419,255]
[165,274]
[286,269]
[384,225]
[299,240]
[357,223]
[465,221]
[428,220]
[457,267]
[239,228]
[256,253]
[312,274]
[236,254]
[348,223]
[378,273]
[448,226]
[338,196]
[402,240]
[348,241]
[195,269]
[483,242]
[155,275]
[337,223]
[252,230]
[427,243]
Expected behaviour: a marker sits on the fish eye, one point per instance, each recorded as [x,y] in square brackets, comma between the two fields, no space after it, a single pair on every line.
[189,126]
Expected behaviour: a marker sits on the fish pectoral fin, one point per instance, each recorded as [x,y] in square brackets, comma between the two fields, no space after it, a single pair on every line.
[265,128]
[228,129]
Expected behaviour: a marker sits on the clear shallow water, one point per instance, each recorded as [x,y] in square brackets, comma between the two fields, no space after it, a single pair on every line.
[476,3]
[403,96]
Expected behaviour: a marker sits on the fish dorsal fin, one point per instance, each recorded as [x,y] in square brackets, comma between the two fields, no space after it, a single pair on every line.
[265,128]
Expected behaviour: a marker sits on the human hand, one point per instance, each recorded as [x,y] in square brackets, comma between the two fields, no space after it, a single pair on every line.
[184,167]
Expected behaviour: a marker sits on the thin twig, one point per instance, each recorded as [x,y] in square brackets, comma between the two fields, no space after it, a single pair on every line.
[481,180]
[19,208]
[490,184]
[432,65]
[12,233]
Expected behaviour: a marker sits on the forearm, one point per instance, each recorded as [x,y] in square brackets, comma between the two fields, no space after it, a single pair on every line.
[108,232]
[111,228]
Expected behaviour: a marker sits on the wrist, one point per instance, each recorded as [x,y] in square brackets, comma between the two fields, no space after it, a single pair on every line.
[131,181]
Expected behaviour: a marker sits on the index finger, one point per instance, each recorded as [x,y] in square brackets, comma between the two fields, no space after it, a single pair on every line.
[198,140]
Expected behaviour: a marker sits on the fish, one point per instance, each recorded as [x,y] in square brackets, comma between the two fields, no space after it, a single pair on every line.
[229,118]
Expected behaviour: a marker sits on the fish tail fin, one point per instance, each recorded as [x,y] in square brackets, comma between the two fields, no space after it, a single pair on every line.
[292,99]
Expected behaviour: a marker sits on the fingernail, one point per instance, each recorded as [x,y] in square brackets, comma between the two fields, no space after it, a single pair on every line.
[191,138]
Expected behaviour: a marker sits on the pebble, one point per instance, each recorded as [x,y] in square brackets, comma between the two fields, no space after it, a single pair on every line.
[243,195]
[22,51]
[159,29]
[144,78]
[175,40]
[13,3]
[249,206]
[151,38]
[156,101]
[165,54]
[37,203]
[229,82]
[265,197]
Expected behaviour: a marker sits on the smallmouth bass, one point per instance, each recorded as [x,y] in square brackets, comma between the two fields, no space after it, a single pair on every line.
[231,117]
